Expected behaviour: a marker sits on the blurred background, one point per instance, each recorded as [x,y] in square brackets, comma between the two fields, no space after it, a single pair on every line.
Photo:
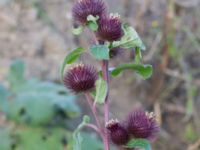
[35,36]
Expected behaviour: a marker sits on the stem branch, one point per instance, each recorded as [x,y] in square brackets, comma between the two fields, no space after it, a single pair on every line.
[94,128]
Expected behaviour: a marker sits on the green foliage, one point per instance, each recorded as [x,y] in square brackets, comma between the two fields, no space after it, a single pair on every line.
[33,138]
[29,107]
[139,143]
[144,70]
[16,75]
[41,139]
[70,58]
[77,138]
[100,52]
[36,104]
[87,141]
[3,96]
[92,22]
[91,141]
[28,103]
[138,56]
[130,39]
[190,134]
[6,140]
[78,30]
[101,91]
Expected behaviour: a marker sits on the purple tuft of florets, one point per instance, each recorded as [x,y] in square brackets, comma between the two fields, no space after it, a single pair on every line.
[141,124]
[118,133]
[80,78]
[110,28]
[83,8]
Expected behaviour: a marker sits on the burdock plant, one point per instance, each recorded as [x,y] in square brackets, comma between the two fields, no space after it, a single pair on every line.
[111,37]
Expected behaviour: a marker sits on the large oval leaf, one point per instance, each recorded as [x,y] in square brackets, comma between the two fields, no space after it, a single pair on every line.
[144,70]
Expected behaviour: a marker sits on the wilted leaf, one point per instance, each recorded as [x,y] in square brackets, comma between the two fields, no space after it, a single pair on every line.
[130,39]
[144,70]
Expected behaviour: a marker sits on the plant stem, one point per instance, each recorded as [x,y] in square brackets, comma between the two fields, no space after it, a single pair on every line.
[90,102]
[92,126]
[105,65]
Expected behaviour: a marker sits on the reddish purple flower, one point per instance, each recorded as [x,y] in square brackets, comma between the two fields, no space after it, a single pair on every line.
[116,51]
[110,28]
[83,8]
[142,125]
[118,133]
[80,78]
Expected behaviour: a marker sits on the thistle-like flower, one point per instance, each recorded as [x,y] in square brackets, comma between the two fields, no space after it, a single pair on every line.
[83,8]
[110,28]
[141,124]
[118,133]
[80,78]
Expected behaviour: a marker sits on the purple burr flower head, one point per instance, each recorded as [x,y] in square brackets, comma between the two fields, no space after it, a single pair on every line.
[141,124]
[80,78]
[110,28]
[118,133]
[83,8]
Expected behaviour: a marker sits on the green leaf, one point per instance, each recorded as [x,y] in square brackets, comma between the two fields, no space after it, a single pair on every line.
[29,107]
[130,39]
[6,141]
[40,138]
[92,141]
[144,70]
[70,58]
[100,52]
[35,85]
[16,75]
[3,97]
[138,56]
[77,141]
[86,119]
[101,91]
[77,137]
[139,143]
[92,22]
[78,30]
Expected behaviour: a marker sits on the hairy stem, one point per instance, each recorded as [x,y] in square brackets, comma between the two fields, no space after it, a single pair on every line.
[90,102]
[105,65]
